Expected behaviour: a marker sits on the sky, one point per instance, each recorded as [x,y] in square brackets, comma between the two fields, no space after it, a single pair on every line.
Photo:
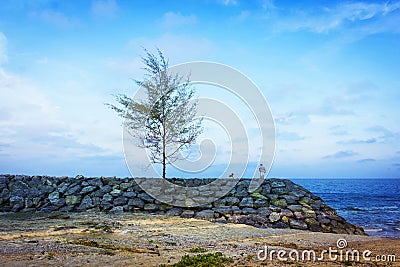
[329,71]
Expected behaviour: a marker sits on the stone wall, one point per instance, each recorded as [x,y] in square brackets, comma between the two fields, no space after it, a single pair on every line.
[276,203]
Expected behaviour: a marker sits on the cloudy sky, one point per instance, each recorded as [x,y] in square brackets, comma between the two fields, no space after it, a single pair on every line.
[328,69]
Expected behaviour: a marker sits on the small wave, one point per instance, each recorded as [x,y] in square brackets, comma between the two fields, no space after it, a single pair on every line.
[373,230]
[397,228]
[355,208]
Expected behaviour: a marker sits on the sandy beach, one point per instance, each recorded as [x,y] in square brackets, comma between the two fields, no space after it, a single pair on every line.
[100,239]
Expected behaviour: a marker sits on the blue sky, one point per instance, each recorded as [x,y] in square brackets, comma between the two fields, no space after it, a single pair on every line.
[329,70]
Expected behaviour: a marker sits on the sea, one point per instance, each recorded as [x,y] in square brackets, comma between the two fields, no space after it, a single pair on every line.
[373,204]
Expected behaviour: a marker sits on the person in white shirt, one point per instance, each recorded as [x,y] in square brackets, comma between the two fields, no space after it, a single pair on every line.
[262,171]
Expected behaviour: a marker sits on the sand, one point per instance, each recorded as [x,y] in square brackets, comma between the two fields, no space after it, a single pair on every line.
[100,239]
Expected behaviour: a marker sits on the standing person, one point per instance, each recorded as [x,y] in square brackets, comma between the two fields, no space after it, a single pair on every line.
[262,171]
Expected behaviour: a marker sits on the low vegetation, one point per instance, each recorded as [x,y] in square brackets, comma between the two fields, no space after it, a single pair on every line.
[202,260]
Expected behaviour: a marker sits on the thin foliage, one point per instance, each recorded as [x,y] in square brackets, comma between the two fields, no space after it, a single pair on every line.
[165,121]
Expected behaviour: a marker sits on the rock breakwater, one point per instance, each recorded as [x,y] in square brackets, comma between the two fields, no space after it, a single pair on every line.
[276,203]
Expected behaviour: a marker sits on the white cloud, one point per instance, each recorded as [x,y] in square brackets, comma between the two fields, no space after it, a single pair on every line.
[243,15]
[368,17]
[56,18]
[289,136]
[33,127]
[268,5]
[229,2]
[341,154]
[3,49]
[105,8]
[172,20]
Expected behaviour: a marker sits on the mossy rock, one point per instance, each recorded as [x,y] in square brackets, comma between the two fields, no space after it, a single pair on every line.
[279,202]
[257,195]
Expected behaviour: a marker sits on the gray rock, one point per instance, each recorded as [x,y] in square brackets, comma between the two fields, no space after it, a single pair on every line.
[129,194]
[295,208]
[72,190]
[323,219]
[279,203]
[258,219]
[33,192]
[119,201]
[231,201]
[146,197]
[220,220]
[297,193]
[54,197]
[274,208]
[86,203]
[248,211]
[290,199]
[63,187]
[28,203]
[286,212]
[67,208]
[5,194]
[219,202]
[108,197]
[116,192]
[117,210]
[223,210]
[266,190]
[88,189]
[300,215]
[4,179]
[126,185]
[95,182]
[48,208]
[175,211]
[105,205]
[19,192]
[261,203]
[150,207]
[205,214]
[59,203]
[187,214]
[13,185]
[136,202]
[246,202]
[17,200]
[264,211]
[274,217]
[96,201]
[296,224]
[236,210]
[277,183]
[105,189]
[272,196]
[279,190]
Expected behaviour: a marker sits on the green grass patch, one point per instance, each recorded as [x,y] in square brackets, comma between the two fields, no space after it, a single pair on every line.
[197,250]
[202,260]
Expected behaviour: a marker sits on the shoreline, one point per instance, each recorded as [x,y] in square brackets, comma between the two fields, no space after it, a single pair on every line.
[133,239]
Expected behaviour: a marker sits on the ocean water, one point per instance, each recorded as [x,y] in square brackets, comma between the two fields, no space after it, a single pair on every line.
[373,204]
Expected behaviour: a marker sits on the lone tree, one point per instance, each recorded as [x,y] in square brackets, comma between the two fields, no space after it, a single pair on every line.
[165,121]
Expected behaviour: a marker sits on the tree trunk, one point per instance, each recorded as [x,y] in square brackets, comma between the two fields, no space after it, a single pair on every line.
[164,163]
[164,155]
